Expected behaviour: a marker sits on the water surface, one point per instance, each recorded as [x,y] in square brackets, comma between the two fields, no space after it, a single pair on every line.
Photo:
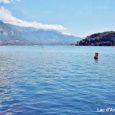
[56,80]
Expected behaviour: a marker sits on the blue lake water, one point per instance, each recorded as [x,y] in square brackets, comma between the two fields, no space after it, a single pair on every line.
[56,80]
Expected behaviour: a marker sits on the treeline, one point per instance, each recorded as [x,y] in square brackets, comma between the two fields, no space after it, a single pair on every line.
[99,39]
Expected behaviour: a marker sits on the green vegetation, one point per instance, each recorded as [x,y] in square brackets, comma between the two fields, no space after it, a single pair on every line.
[99,39]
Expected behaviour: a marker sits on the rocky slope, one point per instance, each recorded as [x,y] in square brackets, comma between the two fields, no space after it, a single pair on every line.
[99,39]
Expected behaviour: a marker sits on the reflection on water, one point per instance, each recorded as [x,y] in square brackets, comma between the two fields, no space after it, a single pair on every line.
[6,67]
[96,60]
[58,80]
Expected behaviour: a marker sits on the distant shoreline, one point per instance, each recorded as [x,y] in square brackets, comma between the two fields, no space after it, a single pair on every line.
[59,45]
[98,39]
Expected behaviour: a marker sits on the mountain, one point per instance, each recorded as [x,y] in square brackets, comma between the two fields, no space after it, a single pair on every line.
[15,35]
[99,39]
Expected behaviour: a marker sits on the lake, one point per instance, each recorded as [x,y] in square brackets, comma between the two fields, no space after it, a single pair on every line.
[57,80]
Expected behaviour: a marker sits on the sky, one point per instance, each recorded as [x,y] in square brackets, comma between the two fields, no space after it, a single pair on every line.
[77,17]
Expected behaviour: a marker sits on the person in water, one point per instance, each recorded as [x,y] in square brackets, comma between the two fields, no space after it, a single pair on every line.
[96,56]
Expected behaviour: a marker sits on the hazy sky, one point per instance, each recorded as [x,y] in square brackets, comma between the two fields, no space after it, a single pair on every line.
[80,17]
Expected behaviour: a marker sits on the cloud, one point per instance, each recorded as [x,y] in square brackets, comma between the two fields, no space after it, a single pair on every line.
[68,34]
[8,1]
[7,17]
[5,1]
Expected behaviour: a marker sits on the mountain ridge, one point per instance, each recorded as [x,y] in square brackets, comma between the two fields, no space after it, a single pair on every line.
[98,39]
[15,35]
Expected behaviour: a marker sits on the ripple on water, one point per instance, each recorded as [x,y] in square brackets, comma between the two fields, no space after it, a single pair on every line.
[56,80]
